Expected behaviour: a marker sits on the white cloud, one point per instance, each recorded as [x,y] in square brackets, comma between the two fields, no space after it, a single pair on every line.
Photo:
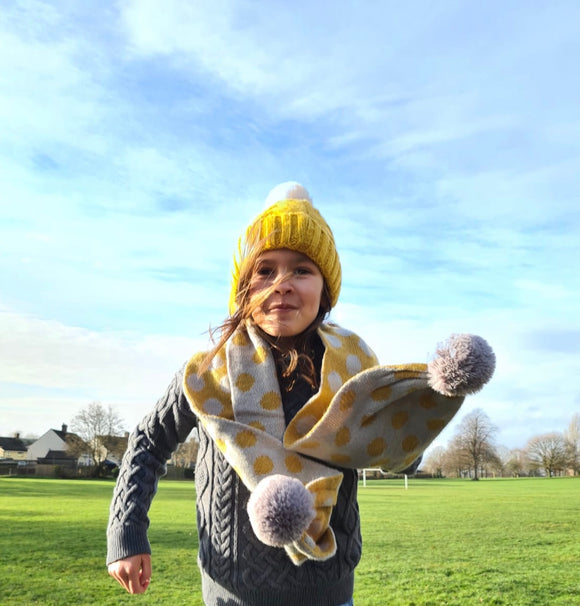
[440,141]
[534,386]
[127,370]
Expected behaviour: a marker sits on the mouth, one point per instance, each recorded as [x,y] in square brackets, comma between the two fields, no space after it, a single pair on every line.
[281,307]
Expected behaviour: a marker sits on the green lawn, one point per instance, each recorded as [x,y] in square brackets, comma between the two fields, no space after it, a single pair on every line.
[511,542]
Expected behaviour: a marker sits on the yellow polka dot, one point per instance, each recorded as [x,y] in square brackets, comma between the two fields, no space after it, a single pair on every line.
[435,424]
[245,381]
[427,401]
[310,444]
[367,420]
[240,339]
[270,401]
[347,400]
[263,465]
[293,463]
[260,355]
[410,443]
[245,439]
[340,459]
[376,447]
[381,393]
[410,459]
[257,425]
[383,462]
[399,419]
[342,437]
[221,445]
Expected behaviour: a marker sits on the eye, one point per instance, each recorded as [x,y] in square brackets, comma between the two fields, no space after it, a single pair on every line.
[303,270]
[264,271]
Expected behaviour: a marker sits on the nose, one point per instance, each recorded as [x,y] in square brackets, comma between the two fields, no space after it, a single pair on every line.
[284,285]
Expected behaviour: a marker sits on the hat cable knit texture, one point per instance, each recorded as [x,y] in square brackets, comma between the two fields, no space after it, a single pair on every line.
[291,221]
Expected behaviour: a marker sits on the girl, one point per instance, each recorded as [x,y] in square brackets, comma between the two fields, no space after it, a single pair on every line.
[287,407]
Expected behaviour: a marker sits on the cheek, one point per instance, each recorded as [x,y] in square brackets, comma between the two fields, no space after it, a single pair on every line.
[315,295]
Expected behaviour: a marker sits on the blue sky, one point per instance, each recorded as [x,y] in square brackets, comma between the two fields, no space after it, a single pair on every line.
[440,140]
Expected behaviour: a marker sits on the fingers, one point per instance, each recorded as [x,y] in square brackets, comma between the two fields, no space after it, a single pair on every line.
[145,577]
[133,573]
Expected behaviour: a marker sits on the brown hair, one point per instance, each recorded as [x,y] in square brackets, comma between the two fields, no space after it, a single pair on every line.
[295,352]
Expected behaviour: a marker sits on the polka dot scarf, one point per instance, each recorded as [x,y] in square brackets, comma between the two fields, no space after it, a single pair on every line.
[363,415]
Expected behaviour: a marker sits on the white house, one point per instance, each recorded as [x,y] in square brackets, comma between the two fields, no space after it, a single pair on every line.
[53,444]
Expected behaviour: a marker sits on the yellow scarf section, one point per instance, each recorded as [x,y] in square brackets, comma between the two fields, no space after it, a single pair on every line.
[363,415]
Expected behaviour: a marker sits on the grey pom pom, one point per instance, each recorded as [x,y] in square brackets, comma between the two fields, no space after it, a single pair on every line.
[280,510]
[463,365]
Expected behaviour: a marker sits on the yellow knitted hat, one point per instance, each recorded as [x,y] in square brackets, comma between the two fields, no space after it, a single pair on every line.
[290,221]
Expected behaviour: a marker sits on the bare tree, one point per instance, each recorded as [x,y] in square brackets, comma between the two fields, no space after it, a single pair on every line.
[114,446]
[547,452]
[434,463]
[474,441]
[186,453]
[517,462]
[572,439]
[493,463]
[455,462]
[92,425]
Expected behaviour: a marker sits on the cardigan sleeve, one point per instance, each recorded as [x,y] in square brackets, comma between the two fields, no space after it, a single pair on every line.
[150,446]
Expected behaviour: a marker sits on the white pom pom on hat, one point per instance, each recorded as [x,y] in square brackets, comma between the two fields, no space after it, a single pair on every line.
[291,221]
[290,190]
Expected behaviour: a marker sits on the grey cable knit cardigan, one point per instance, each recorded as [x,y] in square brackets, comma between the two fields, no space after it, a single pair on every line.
[236,568]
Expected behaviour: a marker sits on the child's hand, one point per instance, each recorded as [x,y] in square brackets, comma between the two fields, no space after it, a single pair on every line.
[134,573]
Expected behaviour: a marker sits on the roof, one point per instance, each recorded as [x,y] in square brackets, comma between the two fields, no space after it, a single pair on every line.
[67,436]
[15,444]
[52,456]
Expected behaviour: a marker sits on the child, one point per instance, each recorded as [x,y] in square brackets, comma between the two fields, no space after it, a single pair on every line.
[287,407]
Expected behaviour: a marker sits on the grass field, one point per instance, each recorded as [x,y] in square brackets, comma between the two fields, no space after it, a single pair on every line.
[511,542]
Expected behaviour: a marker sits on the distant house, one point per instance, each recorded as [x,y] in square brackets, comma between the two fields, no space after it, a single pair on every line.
[112,448]
[13,448]
[57,447]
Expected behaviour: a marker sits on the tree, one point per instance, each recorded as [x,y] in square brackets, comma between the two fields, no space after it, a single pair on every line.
[186,453]
[474,441]
[547,452]
[93,424]
[572,439]
[517,462]
[435,461]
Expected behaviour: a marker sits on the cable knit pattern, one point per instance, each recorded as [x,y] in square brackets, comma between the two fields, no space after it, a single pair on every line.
[149,447]
[238,569]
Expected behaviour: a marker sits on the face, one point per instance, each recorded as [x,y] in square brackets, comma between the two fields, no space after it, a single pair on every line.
[294,301]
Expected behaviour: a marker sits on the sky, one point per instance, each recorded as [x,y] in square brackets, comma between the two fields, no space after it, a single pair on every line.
[440,140]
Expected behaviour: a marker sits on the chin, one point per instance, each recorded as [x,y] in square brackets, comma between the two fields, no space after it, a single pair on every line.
[279,332]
